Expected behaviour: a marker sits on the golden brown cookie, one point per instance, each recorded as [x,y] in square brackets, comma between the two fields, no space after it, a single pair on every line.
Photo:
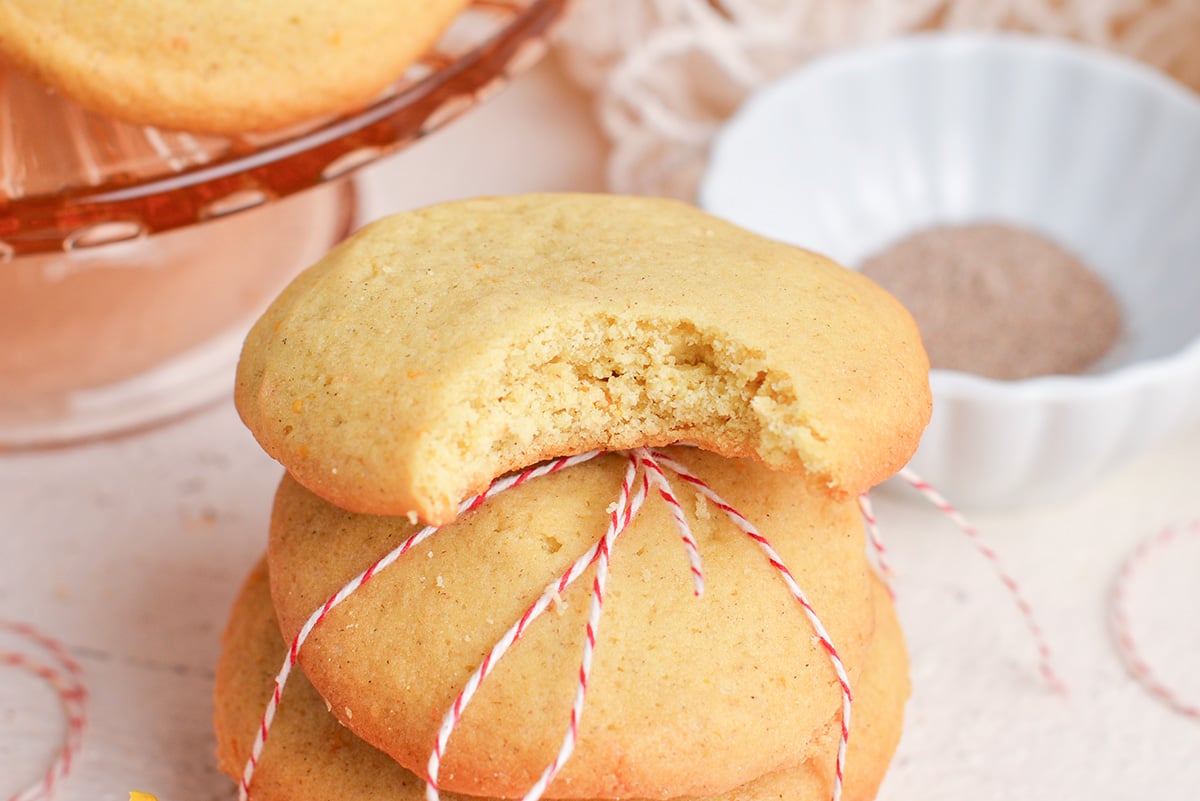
[310,757]
[734,680]
[220,67]
[440,348]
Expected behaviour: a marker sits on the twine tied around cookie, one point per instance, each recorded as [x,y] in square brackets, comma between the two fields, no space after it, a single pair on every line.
[497,486]
[653,467]
[65,676]
[623,512]
[1136,662]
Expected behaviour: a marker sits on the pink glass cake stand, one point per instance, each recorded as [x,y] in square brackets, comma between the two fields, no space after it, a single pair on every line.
[132,259]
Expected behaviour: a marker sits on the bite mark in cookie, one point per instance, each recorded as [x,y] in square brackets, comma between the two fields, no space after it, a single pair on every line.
[438,349]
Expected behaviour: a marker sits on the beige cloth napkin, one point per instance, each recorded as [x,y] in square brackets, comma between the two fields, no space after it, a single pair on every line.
[667,73]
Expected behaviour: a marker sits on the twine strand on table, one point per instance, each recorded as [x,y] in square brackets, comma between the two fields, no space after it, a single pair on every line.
[1045,660]
[65,676]
[1135,661]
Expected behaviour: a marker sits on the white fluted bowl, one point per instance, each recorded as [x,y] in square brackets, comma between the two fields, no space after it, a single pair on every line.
[1101,154]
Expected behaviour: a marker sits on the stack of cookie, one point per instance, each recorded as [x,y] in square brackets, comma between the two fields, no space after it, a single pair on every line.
[438,350]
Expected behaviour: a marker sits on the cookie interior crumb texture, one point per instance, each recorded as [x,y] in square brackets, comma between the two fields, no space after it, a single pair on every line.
[438,349]
[1000,301]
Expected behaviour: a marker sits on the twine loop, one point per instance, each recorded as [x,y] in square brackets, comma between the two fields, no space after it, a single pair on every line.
[57,668]
[1137,664]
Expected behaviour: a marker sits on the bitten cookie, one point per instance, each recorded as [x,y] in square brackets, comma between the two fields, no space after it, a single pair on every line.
[734,680]
[220,67]
[311,757]
[438,349]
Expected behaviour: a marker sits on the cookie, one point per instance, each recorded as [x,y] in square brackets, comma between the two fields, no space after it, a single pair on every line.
[310,757]
[219,67]
[438,349]
[734,680]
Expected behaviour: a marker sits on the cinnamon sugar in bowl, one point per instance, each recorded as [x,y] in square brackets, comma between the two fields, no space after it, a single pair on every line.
[1098,154]
[999,301]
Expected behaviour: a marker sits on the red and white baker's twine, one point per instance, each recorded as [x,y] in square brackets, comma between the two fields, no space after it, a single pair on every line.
[352,586]
[653,466]
[875,538]
[1135,662]
[619,519]
[65,675]
[629,502]
[777,562]
[1045,662]
[659,479]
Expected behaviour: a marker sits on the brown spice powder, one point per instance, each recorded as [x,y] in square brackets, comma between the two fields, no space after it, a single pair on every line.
[999,301]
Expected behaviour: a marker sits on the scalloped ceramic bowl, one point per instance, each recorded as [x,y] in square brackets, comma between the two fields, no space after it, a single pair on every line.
[1101,154]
